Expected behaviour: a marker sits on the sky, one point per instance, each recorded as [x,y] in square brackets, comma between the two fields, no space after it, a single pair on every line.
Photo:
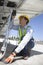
[37,24]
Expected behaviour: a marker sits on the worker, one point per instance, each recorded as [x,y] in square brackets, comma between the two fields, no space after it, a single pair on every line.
[24,38]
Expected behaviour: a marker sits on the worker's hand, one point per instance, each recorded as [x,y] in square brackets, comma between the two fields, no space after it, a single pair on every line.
[10,58]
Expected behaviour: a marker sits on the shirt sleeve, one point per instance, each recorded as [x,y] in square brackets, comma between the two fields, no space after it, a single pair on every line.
[25,40]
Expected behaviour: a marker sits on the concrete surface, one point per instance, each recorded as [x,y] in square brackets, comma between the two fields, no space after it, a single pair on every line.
[36,57]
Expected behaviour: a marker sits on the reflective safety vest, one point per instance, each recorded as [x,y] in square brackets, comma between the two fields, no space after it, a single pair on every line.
[22,33]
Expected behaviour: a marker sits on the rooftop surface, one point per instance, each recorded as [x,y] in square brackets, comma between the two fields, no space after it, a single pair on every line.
[36,57]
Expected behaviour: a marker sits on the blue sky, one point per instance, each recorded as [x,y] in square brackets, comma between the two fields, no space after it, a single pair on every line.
[37,24]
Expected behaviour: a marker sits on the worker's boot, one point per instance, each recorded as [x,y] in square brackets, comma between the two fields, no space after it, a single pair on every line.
[25,57]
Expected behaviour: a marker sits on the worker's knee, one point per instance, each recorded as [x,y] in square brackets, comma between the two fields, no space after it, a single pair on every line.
[30,44]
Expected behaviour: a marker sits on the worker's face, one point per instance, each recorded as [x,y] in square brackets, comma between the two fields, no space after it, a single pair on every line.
[23,22]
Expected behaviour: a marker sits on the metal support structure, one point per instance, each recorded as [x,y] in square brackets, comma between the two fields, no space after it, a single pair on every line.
[4,47]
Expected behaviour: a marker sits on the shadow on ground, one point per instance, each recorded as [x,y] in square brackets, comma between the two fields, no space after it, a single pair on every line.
[11,47]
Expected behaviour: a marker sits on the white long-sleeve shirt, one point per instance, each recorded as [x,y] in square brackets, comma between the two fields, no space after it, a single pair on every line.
[25,40]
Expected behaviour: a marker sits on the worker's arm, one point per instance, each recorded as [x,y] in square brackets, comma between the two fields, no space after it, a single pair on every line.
[25,40]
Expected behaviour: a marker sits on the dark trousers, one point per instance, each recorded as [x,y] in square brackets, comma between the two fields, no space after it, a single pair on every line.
[27,49]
